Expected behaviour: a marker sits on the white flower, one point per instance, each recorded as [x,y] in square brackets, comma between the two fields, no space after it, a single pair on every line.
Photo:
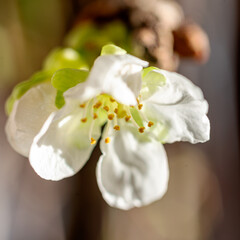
[141,109]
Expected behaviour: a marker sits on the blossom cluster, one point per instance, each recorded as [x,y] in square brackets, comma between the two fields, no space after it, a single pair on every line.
[133,108]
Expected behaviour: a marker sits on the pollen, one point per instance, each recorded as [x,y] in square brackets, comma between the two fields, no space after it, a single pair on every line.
[82,105]
[150,124]
[107,140]
[127,118]
[141,129]
[97,105]
[93,141]
[116,110]
[110,116]
[140,106]
[117,127]
[84,120]
[112,99]
[106,108]
[95,116]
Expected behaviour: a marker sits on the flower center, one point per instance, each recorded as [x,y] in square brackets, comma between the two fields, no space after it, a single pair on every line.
[108,108]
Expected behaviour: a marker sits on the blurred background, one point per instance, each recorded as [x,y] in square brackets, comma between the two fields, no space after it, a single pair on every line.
[202,202]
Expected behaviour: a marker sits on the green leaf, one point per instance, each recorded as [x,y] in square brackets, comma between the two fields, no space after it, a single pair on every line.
[112,49]
[23,87]
[81,34]
[116,31]
[64,58]
[88,38]
[66,78]
[59,100]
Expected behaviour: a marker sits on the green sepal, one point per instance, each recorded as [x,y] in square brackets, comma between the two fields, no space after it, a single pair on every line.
[145,71]
[151,76]
[59,100]
[66,78]
[21,88]
[152,79]
[112,49]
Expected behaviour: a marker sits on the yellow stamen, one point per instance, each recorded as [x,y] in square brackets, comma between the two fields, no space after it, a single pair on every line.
[85,110]
[116,110]
[84,120]
[150,124]
[97,105]
[117,127]
[127,118]
[112,99]
[141,129]
[106,108]
[90,133]
[140,106]
[110,116]
[93,141]
[107,140]
[95,116]
[82,105]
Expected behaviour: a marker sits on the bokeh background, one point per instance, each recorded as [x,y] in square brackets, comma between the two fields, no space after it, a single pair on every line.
[202,202]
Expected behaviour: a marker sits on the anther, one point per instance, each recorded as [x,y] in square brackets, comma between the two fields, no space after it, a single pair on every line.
[110,116]
[93,141]
[117,127]
[127,118]
[140,106]
[84,120]
[97,105]
[82,105]
[95,116]
[112,99]
[116,110]
[106,108]
[141,129]
[107,140]
[150,124]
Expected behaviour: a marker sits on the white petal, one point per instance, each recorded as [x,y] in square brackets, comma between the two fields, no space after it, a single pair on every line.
[180,106]
[62,146]
[81,92]
[132,173]
[116,75]
[28,116]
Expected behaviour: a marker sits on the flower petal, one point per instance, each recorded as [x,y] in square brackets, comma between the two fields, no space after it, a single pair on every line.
[62,146]
[116,75]
[28,115]
[132,173]
[179,105]
[81,92]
